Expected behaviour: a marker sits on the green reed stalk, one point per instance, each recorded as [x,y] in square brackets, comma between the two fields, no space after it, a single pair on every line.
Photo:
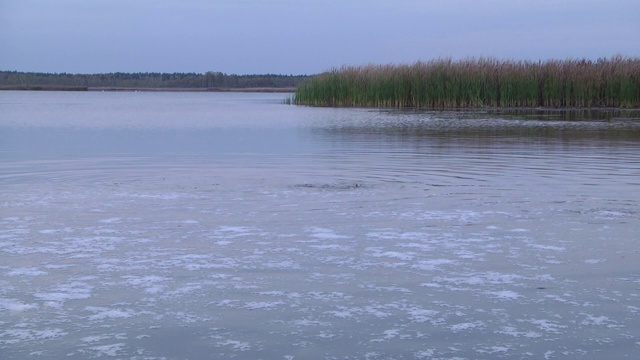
[472,83]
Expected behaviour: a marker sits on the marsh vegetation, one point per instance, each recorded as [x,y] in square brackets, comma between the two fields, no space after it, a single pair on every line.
[479,83]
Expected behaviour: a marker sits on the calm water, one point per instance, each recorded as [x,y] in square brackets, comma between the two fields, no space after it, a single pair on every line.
[206,225]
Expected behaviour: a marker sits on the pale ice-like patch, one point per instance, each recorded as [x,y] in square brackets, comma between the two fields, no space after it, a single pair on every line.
[235,344]
[159,196]
[112,220]
[547,247]
[458,215]
[494,349]
[18,335]
[101,313]
[545,325]
[608,214]
[420,315]
[94,338]
[467,326]
[346,312]
[467,254]
[377,252]
[227,228]
[308,322]
[231,232]
[255,305]
[74,290]
[432,264]
[512,331]
[419,246]
[391,289]
[149,282]
[184,290]
[55,231]
[325,234]
[189,318]
[504,294]
[111,350]
[493,278]
[343,313]
[13,305]
[155,289]
[594,261]
[388,335]
[329,296]
[284,264]
[431,285]
[31,271]
[394,235]
[376,311]
[335,247]
[425,354]
[598,320]
[327,335]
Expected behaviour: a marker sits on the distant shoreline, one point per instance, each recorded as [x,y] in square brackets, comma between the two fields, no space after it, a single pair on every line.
[145,89]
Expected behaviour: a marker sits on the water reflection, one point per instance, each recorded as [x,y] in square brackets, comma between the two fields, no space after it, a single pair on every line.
[233,227]
[570,127]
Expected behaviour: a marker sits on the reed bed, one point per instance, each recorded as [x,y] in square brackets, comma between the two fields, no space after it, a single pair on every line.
[478,83]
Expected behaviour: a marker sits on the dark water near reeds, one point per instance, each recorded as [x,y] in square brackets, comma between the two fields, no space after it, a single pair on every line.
[229,226]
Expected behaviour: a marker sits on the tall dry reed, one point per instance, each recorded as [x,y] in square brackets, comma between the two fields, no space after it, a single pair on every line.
[471,83]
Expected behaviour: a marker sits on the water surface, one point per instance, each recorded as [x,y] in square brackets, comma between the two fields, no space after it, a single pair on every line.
[221,225]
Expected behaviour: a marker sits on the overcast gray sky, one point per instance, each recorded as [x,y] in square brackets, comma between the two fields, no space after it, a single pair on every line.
[303,36]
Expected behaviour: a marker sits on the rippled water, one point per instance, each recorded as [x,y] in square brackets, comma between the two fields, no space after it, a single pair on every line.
[179,225]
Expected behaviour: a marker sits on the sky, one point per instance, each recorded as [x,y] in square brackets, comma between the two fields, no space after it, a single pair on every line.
[296,37]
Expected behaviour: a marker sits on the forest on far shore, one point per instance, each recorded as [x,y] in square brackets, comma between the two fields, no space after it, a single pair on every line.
[209,80]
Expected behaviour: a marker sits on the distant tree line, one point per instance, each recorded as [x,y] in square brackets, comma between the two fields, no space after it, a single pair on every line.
[149,80]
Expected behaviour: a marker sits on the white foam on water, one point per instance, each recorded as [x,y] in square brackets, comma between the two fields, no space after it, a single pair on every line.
[504,294]
[598,321]
[95,338]
[432,264]
[113,220]
[547,247]
[325,234]
[74,290]
[261,305]
[102,313]
[433,277]
[235,345]
[387,335]
[31,271]
[420,315]
[15,336]
[594,261]
[111,350]
[545,325]
[512,331]
[334,247]
[467,326]
[16,306]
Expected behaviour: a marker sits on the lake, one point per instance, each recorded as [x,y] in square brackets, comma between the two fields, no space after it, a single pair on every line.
[152,225]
